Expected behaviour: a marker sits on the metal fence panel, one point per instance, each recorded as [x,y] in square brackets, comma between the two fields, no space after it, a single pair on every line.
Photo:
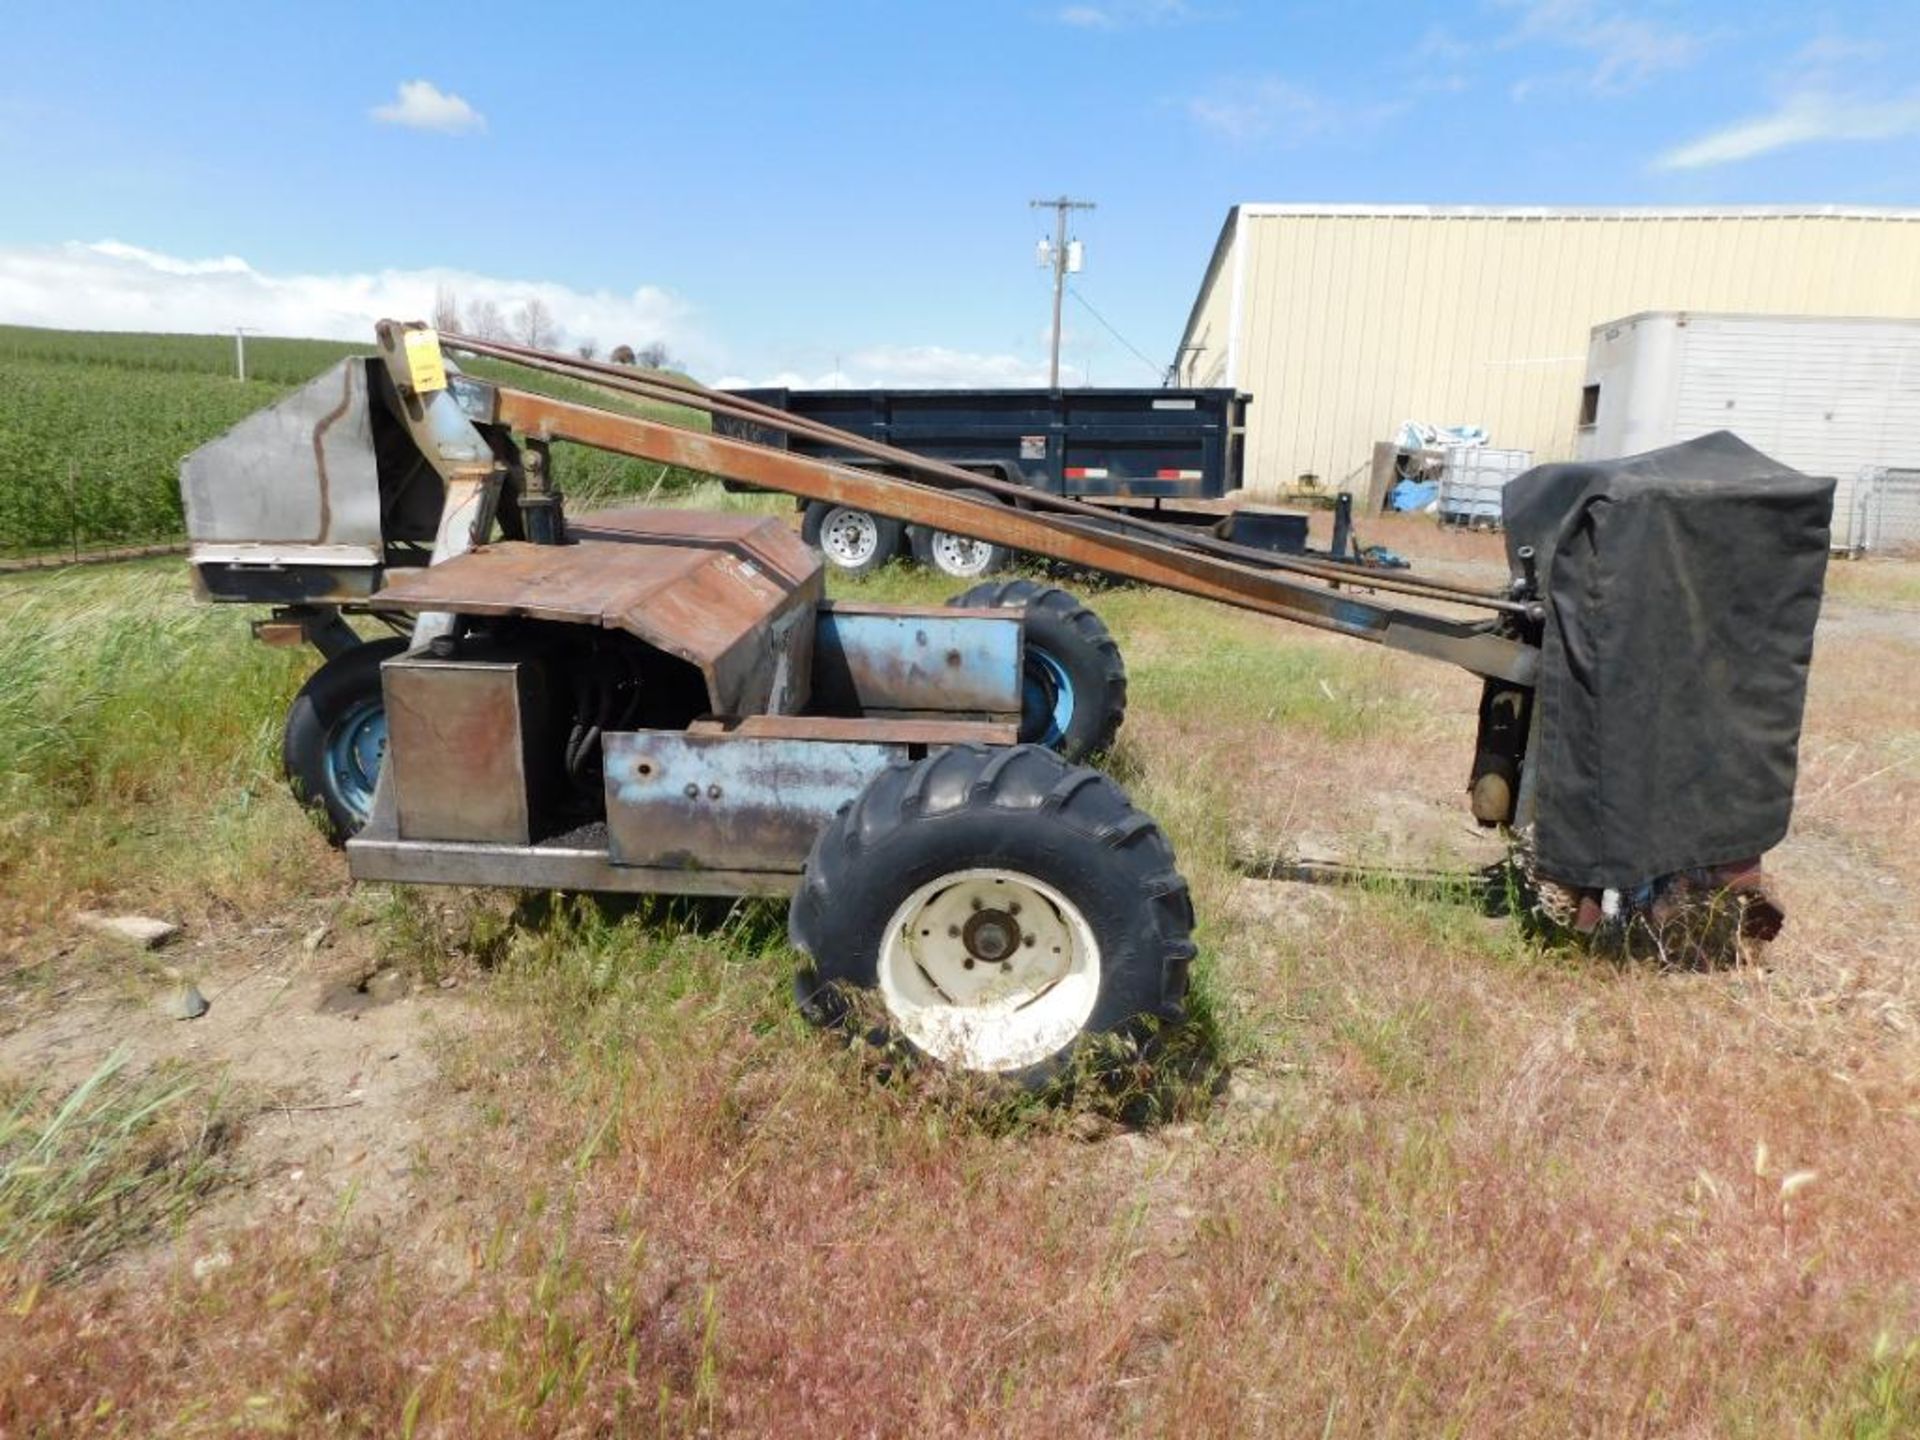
[1878,512]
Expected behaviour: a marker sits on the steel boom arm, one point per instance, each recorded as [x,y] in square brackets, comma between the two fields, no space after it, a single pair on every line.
[1474,646]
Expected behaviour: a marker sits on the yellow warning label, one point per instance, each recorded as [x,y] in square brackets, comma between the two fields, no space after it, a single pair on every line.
[424,361]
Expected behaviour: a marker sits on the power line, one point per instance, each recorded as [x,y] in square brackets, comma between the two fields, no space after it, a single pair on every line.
[1153,365]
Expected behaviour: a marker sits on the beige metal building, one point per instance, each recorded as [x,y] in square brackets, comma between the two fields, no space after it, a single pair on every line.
[1343,321]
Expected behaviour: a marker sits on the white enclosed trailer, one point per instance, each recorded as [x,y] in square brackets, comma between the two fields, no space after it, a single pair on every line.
[1835,397]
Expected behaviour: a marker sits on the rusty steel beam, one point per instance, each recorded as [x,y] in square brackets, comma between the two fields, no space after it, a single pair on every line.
[673,390]
[1474,646]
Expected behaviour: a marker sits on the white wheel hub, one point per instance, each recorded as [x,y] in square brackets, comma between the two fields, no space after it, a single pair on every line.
[849,537]
[959,556]
[989,969]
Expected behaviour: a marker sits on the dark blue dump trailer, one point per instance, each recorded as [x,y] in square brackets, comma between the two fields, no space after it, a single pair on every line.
[1169,455]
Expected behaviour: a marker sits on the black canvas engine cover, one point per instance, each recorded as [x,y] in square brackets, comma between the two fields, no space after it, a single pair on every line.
[1681,589]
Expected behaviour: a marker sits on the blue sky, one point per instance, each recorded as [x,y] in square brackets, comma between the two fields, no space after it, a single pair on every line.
[841,189]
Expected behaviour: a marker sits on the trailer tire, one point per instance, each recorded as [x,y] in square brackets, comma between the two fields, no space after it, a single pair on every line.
[336,737]
[956,556]
[1096,924]
[854,542]
[1073,682]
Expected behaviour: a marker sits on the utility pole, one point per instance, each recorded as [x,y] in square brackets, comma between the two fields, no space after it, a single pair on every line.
[1059,258]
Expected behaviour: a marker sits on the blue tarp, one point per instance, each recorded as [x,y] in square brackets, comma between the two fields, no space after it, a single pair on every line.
[1413,495]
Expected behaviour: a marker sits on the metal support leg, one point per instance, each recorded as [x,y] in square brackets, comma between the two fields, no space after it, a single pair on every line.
[1342,525]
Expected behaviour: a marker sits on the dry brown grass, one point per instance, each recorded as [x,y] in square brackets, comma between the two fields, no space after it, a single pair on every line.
[1889,581]
[1456,1185]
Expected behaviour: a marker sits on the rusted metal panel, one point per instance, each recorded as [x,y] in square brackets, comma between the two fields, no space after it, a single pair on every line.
[682,801]
[765,540]
[576,860]
[920,734]
[287,634]
[462,748]
[755,626]
[879,658]
[592,583]
[734,600]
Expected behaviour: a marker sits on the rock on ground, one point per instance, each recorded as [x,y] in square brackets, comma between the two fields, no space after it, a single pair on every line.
[141,931]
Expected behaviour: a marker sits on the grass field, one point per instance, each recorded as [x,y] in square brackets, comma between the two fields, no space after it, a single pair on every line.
[93,427]
[591,1175]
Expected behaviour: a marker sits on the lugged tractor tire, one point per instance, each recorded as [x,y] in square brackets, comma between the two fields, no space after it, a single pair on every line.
[335,737]
[1074,683]
[996,908]
[852,541]
[956,556]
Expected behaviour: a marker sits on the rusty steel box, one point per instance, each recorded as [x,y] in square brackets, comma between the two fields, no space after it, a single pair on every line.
[900,660]
[729,802]
[464,748]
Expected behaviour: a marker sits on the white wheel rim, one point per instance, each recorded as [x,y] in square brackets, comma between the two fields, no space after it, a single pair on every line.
[989,969]
[959,556]
[849,537]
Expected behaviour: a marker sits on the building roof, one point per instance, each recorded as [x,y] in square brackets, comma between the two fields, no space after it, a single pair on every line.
[1591,212]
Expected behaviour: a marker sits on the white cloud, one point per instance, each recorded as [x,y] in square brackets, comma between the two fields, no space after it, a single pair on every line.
[114,286]
[1625,51]
[1269,107]
[422,105]
[1802,118]
[110,285]
[1251,109]
[930,367]
[1125,14]
[1834,88]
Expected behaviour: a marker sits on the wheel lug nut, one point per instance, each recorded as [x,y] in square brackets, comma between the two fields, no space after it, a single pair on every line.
[975,903]
[1014,908]
[953,931]
[1026,940]
[967,964]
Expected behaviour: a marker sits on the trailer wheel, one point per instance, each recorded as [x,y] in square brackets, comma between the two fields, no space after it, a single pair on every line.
[1001,906]
[958,557]
[1073,683]
[336,737]
[854,542]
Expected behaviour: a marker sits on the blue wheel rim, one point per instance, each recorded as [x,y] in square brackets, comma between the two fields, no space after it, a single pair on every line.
[1046,699]
[355,749]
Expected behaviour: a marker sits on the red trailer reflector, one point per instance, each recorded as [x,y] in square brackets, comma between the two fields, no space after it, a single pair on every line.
[1086,472]
[1176,475]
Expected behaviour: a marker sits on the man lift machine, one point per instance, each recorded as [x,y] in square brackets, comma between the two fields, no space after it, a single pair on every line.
[664,700]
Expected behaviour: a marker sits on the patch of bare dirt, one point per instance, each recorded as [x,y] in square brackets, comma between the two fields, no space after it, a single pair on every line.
[332,1065]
